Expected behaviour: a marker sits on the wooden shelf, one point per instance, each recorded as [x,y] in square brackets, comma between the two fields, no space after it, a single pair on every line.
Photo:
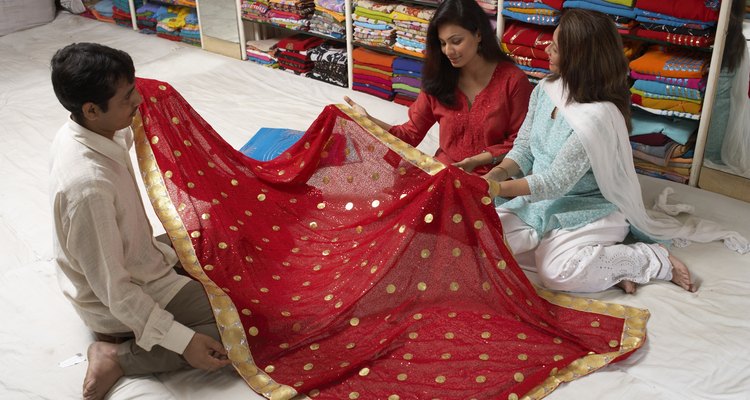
[724,183]
[311,33]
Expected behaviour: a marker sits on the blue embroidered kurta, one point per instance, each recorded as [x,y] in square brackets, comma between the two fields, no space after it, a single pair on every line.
[564,193]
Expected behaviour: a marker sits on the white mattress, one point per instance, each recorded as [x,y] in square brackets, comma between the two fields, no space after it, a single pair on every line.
[698,345]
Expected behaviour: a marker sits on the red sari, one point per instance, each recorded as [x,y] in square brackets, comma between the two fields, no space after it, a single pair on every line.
[354,266]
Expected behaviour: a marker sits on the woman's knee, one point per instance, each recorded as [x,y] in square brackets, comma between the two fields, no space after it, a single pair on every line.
[565,272]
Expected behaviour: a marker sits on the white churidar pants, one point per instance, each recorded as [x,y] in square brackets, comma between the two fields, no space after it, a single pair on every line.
[587,259]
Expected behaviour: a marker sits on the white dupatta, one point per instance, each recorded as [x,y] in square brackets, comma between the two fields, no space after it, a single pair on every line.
[602,130]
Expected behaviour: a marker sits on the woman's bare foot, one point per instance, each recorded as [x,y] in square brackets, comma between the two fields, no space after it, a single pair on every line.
[628,286]
[681,275]
[103,372]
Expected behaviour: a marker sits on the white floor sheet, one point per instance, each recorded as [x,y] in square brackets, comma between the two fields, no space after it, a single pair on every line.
[698,344]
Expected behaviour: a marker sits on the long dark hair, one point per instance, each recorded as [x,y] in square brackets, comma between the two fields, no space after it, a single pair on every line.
[89,72]
[592,64]
[439,77]
[734,47]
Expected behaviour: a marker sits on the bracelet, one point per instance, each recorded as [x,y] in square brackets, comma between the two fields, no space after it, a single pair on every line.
[494,188]
[495,159]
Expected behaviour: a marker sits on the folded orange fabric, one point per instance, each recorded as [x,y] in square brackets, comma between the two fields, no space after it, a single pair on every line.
[372,57]
[673,63]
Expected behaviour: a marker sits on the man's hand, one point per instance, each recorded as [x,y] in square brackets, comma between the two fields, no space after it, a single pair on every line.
[203,352]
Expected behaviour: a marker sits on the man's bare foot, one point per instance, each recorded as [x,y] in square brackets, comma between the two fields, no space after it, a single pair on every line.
[103,372]
[681,275]
[628,286]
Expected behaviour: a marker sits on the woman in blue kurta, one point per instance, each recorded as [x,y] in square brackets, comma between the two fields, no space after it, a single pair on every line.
[577,196]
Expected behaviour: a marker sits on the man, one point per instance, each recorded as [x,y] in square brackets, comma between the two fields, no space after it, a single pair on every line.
[121,281]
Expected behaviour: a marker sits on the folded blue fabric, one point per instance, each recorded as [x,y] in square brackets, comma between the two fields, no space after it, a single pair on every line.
[408,64]
[601,6]
[411,43]
[104,7]
[535,19]
[532,69]
[678,129]
[527,4]
[667,90]
[658,18]
[375,27]
[269,143]
[407,73]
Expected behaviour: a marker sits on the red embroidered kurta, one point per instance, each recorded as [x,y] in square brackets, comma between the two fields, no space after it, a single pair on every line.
[491,123]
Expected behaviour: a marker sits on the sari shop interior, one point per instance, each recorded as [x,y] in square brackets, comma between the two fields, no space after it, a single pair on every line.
[681,345]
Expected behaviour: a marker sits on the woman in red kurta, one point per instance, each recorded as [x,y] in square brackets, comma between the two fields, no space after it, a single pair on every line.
[472,89]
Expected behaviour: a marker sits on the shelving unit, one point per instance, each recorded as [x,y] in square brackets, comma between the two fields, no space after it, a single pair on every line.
[349,39]
[290,30]
[716,51]
[699,175]
[134,13]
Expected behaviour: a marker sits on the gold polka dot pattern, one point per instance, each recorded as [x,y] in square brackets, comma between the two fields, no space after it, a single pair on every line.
[239,339]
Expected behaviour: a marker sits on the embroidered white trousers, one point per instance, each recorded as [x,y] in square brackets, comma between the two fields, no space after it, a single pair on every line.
[587,259]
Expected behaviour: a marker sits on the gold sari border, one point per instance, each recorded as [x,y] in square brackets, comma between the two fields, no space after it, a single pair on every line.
[411,154]
[225,312]
[228,320]
[633,336]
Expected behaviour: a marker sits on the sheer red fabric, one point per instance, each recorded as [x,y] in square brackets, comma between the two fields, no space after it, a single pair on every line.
[354,266]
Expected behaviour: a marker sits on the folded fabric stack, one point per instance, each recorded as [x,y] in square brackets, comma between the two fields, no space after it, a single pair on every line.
[525,43]
[330,63]
[662,146]
[190,33]
[489,6]
[686,22]
[102,10]
[88,6]
[329,18]
[294,53]
[181,3]
[669,81]
[170,20]
[411,23]
[373,73]
[538,12]
[255,10]
[373,23]
[621,11]
[263,52]
[633,48]
[407,80]
[291,14]
[121,12]
[146,17]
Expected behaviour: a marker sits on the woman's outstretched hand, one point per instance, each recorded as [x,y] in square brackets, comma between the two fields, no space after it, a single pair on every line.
[357,108]
[468,164]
